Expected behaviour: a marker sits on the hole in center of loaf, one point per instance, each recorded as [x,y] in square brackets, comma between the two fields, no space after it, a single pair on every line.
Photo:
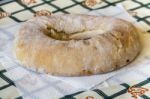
[61,35]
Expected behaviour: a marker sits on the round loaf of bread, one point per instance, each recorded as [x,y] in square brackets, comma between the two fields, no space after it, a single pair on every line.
[75,45]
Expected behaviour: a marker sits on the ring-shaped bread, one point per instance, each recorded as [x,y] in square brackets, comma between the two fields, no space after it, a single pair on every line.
[75,45]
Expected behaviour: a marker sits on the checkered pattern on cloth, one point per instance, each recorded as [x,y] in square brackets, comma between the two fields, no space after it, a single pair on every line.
[119,92]
[20,13]
[7,86]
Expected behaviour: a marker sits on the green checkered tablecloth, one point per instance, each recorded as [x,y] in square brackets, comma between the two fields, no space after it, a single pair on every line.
[119,92]
[20,13]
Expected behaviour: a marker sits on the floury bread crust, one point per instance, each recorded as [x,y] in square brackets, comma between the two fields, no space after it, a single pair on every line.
[76,45]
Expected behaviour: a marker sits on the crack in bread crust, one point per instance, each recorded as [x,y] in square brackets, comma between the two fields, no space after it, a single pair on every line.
[61,35]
